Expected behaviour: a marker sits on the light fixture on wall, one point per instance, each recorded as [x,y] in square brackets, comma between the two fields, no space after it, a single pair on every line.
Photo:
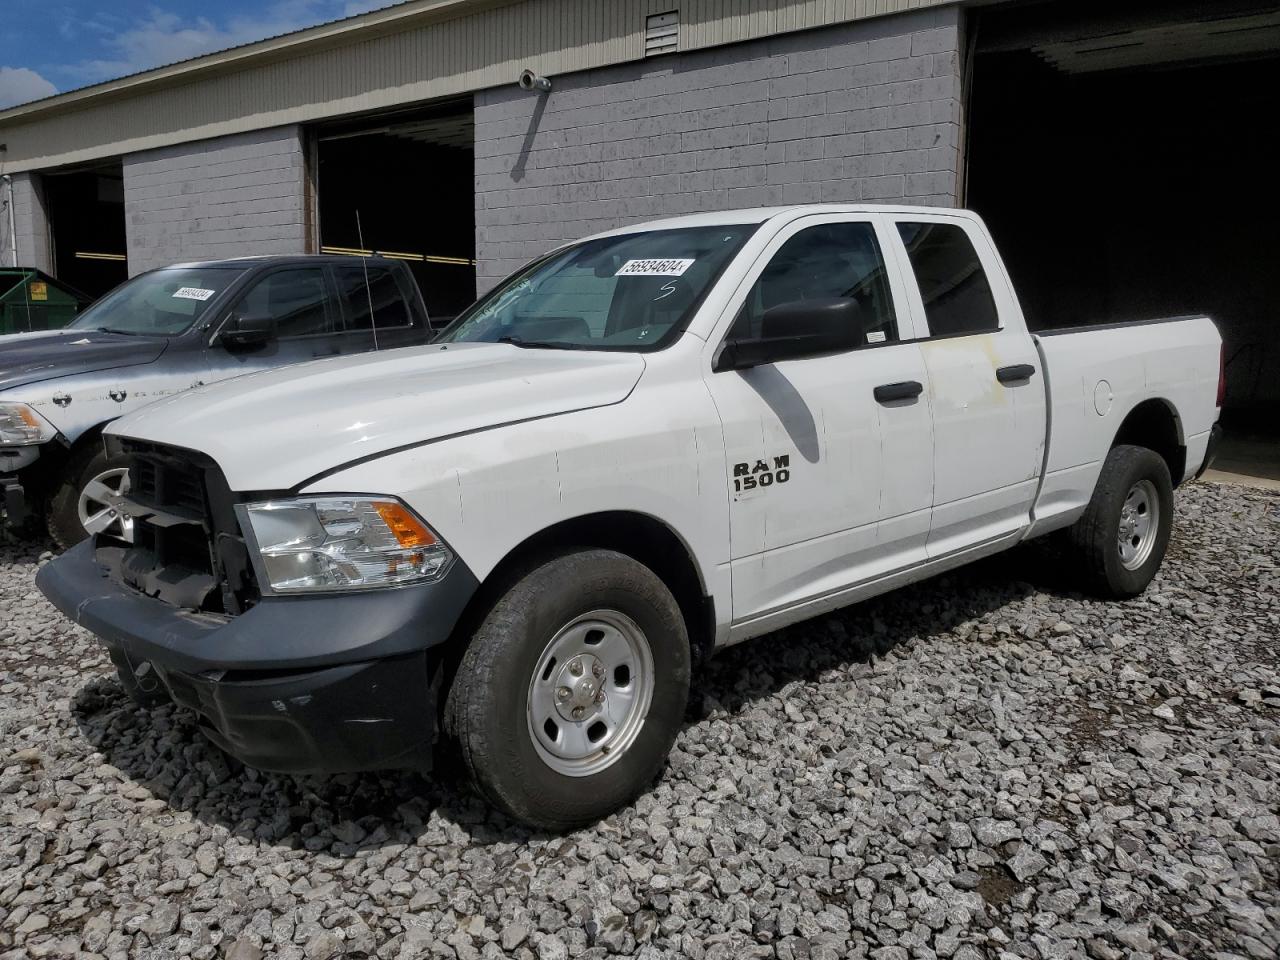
[530,81]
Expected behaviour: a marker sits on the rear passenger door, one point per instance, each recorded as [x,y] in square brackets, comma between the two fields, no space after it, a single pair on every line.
[985,386]
[379,307]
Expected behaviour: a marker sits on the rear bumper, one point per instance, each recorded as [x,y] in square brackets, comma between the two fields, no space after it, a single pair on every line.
[1211,449]
[321,684]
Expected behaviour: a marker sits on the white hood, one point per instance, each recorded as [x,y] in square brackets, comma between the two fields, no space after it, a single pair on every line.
[272,430]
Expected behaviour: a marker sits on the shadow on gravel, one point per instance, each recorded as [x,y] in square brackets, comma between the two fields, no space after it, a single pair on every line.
[163,750]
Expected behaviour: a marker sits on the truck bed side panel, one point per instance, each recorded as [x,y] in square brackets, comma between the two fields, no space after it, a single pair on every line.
[1097,376]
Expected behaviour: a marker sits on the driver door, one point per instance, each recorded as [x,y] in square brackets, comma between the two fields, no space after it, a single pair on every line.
[300,300]
[830,476]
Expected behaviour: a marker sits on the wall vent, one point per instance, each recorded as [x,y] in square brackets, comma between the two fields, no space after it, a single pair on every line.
[661,33]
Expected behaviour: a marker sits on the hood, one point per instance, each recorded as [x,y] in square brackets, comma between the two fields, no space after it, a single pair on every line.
[273,430]
[32,357]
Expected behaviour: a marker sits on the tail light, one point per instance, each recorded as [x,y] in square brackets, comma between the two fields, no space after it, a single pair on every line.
[1222,374]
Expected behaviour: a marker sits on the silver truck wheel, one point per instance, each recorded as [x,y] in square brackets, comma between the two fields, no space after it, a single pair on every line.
[97,514]
[1139,524]
[590,693]
[1121,538]
[572,689]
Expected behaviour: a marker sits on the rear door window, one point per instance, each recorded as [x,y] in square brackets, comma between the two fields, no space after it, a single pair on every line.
[957,297]
[382,304]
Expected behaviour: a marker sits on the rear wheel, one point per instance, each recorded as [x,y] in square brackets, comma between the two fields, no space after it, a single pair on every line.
[1122,536]
[83,503]
[571,692]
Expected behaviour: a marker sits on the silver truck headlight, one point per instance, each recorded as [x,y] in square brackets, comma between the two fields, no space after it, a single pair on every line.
[21,426]
[343,543]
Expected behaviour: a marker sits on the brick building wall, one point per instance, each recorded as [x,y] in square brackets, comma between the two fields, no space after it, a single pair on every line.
[228,197]
[866,112]
[30,224]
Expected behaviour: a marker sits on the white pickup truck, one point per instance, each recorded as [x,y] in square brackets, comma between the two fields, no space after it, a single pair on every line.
[640,448]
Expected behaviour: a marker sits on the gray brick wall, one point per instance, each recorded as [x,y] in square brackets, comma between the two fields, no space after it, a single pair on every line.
[30,224]
[869,111]
[234,196]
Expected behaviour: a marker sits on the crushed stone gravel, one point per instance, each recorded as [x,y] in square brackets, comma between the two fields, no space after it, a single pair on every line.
[987,765]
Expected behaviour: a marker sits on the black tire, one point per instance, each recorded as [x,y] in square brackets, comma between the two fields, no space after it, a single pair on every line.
[489,699]
[1095,536]
[63,510]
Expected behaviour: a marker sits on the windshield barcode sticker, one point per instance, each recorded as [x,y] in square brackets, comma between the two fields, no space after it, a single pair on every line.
[654,268]
[192,293]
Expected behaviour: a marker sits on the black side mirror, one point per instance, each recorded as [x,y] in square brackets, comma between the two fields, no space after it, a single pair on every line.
[793,331]
[248,331]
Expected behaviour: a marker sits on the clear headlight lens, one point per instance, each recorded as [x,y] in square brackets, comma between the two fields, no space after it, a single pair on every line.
[344,543]
[21,426]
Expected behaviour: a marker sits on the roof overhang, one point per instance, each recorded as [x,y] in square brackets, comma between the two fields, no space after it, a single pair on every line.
[376,23]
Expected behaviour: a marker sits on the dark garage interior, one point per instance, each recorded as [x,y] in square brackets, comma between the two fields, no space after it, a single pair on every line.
[1126,165]
[410,180]
[86,226]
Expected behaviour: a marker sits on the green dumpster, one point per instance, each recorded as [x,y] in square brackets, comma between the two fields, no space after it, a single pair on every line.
[31,300]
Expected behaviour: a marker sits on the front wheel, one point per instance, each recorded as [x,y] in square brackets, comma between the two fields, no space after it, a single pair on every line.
[1124,532]
[571,692]
[84,503]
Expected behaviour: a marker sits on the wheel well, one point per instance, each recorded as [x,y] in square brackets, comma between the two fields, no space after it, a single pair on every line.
[1154,424]
[637,535]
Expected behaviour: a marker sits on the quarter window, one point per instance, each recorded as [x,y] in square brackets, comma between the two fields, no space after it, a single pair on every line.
[294,298]
[827,261]
[957,298]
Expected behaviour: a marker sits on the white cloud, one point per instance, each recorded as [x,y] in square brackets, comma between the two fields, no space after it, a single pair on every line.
[164,38]
[19,85]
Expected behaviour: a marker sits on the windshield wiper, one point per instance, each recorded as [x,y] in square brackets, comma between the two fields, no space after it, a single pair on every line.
[124,333]
[540,344]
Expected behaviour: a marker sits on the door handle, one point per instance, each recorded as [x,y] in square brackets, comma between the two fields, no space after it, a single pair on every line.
[1015,372]
[906,390]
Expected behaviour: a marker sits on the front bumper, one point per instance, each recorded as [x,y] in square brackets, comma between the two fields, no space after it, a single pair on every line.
[321,684]
[13,495]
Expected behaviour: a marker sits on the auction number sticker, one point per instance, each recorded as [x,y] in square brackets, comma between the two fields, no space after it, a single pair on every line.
[654,268]
[193,293]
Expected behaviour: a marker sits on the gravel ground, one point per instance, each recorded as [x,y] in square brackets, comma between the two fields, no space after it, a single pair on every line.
[987,765]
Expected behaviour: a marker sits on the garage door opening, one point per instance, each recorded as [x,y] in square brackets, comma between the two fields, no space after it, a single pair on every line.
[405,189]
[1126,168]
[86,226]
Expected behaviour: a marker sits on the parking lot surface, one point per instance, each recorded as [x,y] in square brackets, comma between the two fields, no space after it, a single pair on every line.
[986,765]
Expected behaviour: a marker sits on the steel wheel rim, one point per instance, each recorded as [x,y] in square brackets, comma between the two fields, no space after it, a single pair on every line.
[97,512]
[590,692]
[1139,524]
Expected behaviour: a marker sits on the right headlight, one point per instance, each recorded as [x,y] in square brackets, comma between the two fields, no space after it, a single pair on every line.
[21,426]
[331,543]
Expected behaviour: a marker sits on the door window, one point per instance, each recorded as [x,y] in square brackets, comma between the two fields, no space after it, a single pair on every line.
[294,298]
[382,299]
[830,260]
[957,298]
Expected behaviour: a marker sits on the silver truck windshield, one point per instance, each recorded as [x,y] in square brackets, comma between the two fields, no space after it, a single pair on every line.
[630,292]
[163,303]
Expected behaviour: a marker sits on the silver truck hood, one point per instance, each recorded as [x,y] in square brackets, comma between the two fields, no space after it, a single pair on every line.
[275,429]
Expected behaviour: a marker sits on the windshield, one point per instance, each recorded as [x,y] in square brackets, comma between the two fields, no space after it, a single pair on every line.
[629,292]
[163,303]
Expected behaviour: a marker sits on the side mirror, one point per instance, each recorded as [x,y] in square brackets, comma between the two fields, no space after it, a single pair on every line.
[248,331]
[793,331]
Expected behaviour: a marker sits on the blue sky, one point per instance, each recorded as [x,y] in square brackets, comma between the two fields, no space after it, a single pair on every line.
[51,46]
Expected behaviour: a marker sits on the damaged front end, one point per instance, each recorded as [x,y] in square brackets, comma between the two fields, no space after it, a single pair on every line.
[323,682]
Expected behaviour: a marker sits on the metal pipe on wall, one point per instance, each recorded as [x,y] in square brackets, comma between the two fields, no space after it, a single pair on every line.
[13,233]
